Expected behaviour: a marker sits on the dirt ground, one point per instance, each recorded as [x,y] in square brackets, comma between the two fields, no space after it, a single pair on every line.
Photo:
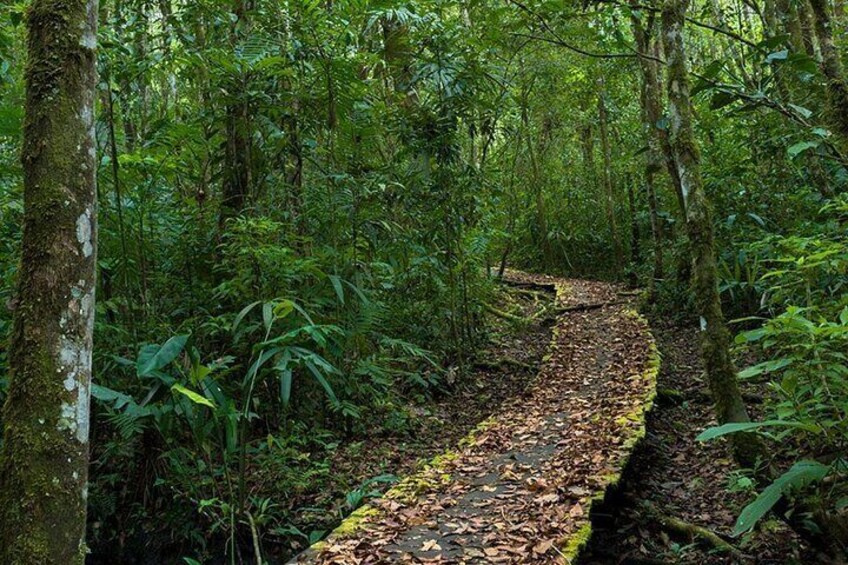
[673,475]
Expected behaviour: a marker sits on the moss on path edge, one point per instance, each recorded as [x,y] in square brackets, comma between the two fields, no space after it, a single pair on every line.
[436,473]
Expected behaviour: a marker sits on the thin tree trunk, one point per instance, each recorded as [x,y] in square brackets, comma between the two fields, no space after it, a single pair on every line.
[635,248]
[731,45]
[119,208]
[609,193]
[237,162]
[539,197]
[787,15]
[651,113]
[805,16]
[715,337]
[44,458]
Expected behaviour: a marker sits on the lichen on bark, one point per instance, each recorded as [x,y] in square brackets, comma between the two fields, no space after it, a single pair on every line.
[44,459]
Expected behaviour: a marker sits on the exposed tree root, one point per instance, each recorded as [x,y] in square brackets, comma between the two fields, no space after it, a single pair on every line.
[587,307]
[504,315]
[500,362]
[691,531]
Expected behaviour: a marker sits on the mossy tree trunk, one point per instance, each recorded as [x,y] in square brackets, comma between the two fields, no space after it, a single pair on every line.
[805,17]
[715,337]
[651,114]
[831,65]
[44,459]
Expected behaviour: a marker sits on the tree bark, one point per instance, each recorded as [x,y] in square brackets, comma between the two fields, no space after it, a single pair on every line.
[609,193]
[237,154]
[805,16]
[635,248]
[715,337]
[44,458]
[831,65]
[651,114]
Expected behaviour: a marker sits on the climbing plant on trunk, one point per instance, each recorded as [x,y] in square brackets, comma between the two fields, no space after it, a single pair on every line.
[44,459]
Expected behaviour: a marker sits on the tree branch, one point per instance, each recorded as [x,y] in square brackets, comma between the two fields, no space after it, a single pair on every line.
[558,40]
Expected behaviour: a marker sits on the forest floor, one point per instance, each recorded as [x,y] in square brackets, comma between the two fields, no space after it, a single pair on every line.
[512,498]
[673,476]
[519,489]
[502,370]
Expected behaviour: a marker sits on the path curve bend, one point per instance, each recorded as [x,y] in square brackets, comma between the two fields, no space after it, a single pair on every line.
[520,487]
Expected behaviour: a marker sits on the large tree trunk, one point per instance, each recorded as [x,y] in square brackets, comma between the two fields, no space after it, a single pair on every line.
[44,459]
[715,337]
[837,87]
[609,192]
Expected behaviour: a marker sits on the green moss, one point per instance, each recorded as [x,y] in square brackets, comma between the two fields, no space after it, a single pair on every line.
[43,466]
[353,523]
[576,543]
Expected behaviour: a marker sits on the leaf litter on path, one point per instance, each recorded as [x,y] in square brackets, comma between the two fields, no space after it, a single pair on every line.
[519,488]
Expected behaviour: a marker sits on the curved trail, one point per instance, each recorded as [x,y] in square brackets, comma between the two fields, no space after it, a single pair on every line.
[519,488]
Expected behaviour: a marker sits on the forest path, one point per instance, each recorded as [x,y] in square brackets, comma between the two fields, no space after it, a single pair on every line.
[520,487]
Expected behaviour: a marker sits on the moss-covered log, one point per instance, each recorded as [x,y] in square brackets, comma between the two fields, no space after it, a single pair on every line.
[44,459]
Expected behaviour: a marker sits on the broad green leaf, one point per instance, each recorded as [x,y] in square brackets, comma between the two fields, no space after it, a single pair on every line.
[800,475]
[726,429]
[191,395]
[104,394]
[765,367]
[801,147]
[721,99]
[337,286]
[285,385]
[801,110]
[777,56]
[322,380]
[283,366]
[757,219]
[267,315]
[244,312]
[283,309]
[154,357]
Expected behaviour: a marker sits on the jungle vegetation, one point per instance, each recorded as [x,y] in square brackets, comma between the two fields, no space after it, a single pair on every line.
[254,232]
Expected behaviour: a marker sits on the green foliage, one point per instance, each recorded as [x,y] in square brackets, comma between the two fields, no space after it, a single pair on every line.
[805,365]
[394,152]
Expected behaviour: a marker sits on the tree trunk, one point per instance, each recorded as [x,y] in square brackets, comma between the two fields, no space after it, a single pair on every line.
[805,16]
[44,458]
[635,248]
[787,16]
[651,113]
[618,253]
[715,337]
[237,155]
[837,87]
